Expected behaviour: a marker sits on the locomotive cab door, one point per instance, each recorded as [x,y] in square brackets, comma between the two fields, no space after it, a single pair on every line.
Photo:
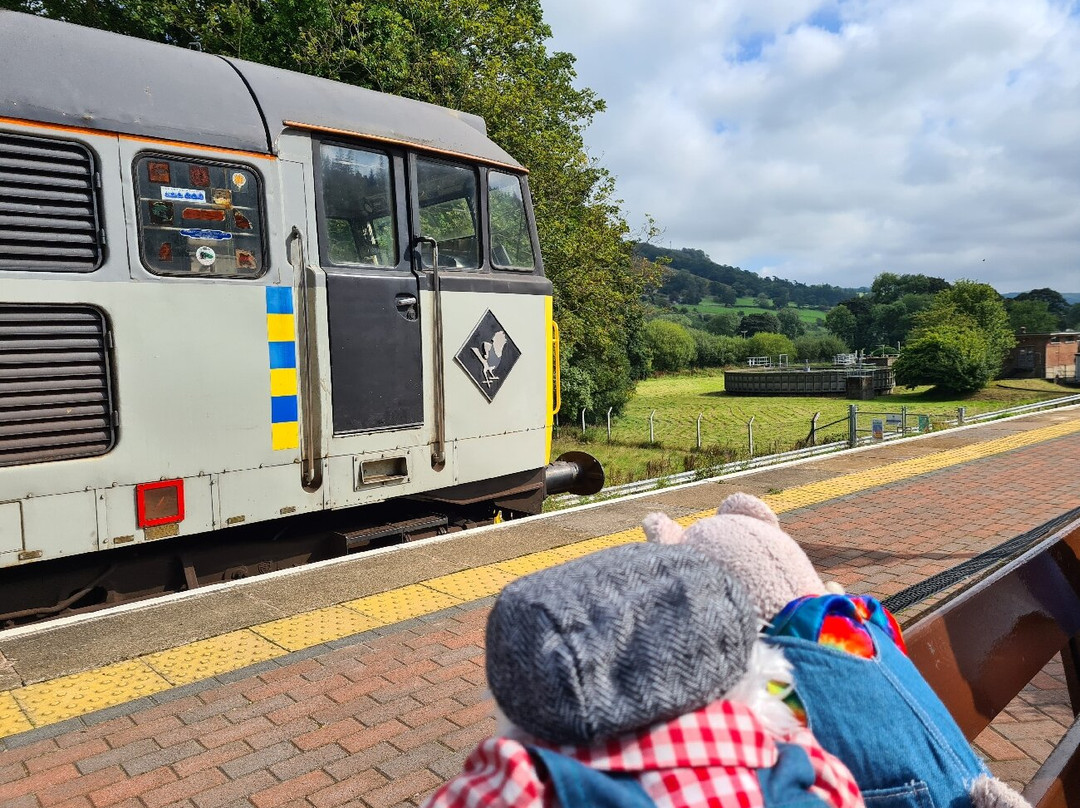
[373,298]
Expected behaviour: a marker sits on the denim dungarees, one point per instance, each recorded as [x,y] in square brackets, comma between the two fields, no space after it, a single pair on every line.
[881,718]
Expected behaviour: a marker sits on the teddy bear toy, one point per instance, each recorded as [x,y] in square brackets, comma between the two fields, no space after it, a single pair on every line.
[857,690]
[635,677]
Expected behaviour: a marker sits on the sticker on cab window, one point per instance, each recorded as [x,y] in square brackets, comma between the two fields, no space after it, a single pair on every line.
[200,176]
[204,215]
[221,196]
[245,259]
[241,221]
[159,172]
[164,252]
[183,194]
[205,256]
[161,213]
[239,180]
[206,235]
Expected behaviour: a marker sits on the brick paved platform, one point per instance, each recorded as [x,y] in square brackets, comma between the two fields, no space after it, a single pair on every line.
[380,718]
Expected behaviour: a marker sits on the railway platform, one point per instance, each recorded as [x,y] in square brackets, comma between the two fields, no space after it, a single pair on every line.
[360,681]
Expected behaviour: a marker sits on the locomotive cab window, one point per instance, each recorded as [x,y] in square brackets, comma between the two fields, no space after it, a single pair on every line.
[511,243]
[199,218]
[357,207]
[447,196]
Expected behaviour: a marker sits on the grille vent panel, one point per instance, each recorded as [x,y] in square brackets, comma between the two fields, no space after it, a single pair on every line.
[55,394]
[48,206]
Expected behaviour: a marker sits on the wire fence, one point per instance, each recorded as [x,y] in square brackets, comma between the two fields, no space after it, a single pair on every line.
[855,428]
[776,431]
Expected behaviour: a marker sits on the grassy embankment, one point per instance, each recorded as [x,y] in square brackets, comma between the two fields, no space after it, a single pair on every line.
[779,422]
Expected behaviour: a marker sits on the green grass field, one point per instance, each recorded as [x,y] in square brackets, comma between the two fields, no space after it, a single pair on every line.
[746,305]
[780,422]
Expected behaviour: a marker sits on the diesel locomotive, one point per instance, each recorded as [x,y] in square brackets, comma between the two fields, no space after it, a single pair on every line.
[231,293]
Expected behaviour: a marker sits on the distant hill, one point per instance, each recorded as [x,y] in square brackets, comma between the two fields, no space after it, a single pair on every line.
[744,282]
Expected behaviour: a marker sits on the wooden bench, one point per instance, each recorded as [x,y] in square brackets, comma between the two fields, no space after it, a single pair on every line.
[979,649]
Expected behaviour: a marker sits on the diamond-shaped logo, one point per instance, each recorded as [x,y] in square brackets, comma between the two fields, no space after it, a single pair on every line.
[488,355]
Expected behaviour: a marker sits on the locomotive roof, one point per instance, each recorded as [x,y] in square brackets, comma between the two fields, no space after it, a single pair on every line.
[60,73]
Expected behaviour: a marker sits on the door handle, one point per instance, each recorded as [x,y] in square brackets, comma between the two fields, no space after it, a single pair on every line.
[406,306]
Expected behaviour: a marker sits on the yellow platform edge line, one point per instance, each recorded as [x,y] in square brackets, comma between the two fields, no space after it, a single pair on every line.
[45,703]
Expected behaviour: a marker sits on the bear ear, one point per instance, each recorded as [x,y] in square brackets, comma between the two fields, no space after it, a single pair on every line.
[748,505]
[660,529]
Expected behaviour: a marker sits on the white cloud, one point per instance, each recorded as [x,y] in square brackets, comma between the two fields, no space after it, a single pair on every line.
[829,140]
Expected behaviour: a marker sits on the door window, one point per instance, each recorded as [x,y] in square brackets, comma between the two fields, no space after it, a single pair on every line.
[447,197]
[356,215]
[511,243]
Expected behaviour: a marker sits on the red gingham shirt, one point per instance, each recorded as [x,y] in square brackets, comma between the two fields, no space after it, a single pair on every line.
[705,758]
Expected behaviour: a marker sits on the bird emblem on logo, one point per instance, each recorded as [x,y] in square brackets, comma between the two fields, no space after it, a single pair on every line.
[489,354]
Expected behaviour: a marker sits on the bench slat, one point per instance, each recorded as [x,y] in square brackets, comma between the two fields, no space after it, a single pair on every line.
[981,648]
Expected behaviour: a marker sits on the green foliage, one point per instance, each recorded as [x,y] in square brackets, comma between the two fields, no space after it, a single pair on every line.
[741,281]
[960,342]
[755,323]
[671,345]
[725,324]
[984,306]
[487,57]
[954,356]
[840,321]
[734,350]
[766,344]
[723,293]
[1054,301]
[791,325]
[1034,316]
[889,287]
[1072,316]
[763,300]
[819,348]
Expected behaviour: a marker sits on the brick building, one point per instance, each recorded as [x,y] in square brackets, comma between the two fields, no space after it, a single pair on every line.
[1044,356]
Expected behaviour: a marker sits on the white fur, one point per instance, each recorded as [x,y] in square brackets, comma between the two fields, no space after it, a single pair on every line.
[766,664]
[989,792]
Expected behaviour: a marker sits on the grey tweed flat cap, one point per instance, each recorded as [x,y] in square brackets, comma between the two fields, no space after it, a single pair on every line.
[616,641]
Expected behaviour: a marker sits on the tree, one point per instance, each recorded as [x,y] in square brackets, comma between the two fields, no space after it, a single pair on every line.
[766,344]
[763,301]
[671,345]
[1072,316]
[725,324]
[953,356]
[819,348]
[1033,316]
[960,342]
[889,287]
[841,323]
[791,325]
[983,305]
[724,294]
[1054,301]
[762,321]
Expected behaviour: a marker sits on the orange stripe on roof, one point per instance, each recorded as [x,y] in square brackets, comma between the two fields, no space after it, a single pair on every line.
[77,130]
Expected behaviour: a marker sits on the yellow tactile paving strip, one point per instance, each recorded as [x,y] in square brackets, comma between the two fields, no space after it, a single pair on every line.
[50,702]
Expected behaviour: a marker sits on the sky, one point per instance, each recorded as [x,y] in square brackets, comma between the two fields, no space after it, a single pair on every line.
[827,141]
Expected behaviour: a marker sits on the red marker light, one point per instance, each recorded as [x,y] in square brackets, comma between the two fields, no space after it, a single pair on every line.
[159,503]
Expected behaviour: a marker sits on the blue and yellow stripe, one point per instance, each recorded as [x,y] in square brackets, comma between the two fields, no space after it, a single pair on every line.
[281,335]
